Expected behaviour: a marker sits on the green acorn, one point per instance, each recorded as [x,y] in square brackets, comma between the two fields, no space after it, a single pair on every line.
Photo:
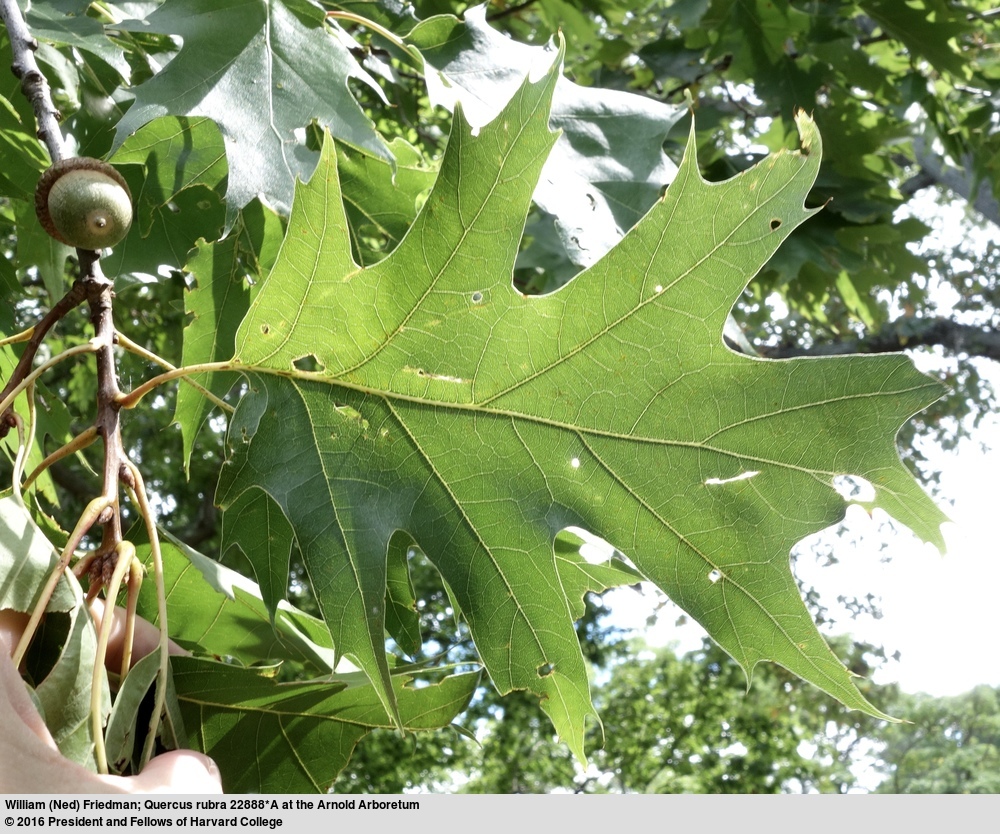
[84,203]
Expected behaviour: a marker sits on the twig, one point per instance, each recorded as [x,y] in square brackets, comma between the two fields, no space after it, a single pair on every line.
[33,84]
[74,298]
[107,423]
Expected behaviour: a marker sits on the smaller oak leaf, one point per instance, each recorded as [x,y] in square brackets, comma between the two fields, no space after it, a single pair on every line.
[263,70]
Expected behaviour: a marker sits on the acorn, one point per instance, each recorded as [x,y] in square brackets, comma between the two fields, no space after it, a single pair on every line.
[84,202]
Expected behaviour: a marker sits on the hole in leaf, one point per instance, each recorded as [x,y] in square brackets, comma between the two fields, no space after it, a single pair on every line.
[593,549]
[265,329]
[714,576]
[308,363]
[743,476]
[477,297]
[775,224]
[545,670]
[854,488]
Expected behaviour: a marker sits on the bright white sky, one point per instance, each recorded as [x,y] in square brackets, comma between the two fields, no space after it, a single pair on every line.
[940,611]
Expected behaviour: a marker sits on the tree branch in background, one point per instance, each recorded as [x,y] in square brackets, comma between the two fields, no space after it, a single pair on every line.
[933,171]
[904,334]
[510,10]
[76,296]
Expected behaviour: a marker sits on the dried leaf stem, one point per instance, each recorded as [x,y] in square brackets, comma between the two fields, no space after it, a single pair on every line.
[138,494]
[125,555]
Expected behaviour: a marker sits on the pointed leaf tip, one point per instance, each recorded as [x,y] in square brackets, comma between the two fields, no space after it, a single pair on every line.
[808,133]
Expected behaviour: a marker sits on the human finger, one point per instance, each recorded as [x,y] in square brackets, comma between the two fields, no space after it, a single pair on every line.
[145,640]
[177,771]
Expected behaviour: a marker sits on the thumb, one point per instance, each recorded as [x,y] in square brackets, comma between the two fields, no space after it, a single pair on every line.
[178,771]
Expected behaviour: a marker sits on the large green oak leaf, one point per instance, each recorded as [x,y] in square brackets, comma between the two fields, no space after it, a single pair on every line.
[441,402]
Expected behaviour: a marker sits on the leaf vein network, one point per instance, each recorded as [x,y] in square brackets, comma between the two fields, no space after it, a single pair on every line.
[467,229]
[460,510]
[725,580]
[622,319]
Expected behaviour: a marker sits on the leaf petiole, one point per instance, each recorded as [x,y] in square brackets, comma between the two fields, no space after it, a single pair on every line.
[125,557]
[134,583]
[394,39]
[132,398]
[87,520]
[22,453]
[23,336]
[92,346]
[125,342]
[137,492]
[81,441]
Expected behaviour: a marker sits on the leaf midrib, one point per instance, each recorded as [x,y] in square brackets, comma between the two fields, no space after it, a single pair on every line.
[476,408]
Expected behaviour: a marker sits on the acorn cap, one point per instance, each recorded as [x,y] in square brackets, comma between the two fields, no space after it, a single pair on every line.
[58,169]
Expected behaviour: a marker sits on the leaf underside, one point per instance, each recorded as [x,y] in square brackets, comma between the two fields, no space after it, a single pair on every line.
[482,422]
